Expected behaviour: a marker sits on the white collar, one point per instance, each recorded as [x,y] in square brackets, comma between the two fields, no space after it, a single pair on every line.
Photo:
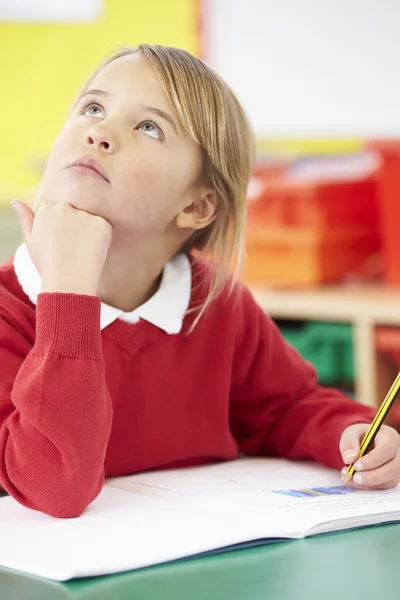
[165,309]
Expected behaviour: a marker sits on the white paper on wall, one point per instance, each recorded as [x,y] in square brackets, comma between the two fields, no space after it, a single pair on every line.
[50,11]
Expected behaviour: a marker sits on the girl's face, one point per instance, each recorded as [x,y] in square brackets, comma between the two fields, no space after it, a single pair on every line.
[135,166]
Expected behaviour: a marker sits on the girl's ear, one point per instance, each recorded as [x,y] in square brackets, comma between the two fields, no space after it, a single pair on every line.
[199,213]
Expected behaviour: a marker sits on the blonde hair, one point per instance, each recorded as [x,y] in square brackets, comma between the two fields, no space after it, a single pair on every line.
[210,113]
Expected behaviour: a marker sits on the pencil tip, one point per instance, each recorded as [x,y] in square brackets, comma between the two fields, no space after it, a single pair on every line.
[347,479]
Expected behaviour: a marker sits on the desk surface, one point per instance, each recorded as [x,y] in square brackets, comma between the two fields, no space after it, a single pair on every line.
[361,564]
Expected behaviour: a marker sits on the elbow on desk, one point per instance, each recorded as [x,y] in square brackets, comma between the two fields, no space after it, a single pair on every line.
[59,485]
[70,501]
[62,501]
[70,510]
[70,507]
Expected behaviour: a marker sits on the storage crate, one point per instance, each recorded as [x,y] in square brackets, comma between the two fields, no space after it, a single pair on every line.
[315,192]
[389,193]
[299,256]
[328,346]
[316,205]
[312,221]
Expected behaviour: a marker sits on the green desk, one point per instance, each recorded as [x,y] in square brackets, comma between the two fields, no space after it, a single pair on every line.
[363,564]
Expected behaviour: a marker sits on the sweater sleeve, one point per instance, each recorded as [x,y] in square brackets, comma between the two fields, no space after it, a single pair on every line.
[277,407]
[55,410]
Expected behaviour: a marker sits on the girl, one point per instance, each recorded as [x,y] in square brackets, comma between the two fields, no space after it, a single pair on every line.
[122,352]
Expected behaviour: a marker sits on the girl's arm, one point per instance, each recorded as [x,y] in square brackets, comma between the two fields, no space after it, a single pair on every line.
[277,407]
[55,410]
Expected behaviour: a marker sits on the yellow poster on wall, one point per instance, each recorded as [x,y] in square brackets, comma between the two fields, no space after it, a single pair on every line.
[43,64]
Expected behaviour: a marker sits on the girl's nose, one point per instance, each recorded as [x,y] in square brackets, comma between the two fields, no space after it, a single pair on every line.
[101,139]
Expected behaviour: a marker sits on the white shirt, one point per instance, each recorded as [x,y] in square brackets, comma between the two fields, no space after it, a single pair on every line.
[165,309]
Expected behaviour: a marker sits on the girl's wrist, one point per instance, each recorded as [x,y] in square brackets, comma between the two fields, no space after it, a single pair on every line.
[62,285]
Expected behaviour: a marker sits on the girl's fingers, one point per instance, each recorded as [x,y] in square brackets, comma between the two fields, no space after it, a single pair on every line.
[350,442]
[386,448]
[383,486]
[384,477]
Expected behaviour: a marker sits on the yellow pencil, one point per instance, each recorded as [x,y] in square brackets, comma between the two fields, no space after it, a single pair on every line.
[375,425]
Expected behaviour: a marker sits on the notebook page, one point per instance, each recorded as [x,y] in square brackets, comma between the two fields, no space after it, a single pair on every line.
[239,478]
[304,497]
[119,531]
[156,517]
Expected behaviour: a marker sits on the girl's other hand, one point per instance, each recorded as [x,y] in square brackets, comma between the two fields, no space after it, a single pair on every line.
[68,246]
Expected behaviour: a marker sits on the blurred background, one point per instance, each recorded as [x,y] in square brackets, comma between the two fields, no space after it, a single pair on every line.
[319,81]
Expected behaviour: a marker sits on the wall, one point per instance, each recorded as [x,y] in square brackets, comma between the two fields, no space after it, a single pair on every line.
[43,65]
[307,68]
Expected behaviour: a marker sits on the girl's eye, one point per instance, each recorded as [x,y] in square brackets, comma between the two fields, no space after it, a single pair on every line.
[93,110]
[151,129]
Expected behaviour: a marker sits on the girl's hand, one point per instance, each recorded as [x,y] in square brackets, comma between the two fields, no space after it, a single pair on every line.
[379,469]
[68,247]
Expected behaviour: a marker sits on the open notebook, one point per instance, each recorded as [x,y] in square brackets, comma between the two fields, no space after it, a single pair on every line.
[162,516]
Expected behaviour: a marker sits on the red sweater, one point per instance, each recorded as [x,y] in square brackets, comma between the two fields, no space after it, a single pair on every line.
[78,404]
